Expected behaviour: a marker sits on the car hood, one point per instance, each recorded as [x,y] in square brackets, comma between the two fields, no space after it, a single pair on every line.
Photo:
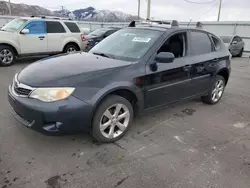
[4,34]
[59,70]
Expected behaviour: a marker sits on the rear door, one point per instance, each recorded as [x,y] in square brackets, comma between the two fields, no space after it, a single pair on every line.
[56,34]
[36,40]
[203,58]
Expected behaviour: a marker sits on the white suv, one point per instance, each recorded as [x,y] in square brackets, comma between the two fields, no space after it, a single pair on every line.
[38,36]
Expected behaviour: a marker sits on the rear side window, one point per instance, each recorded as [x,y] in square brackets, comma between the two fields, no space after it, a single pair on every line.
[36,27]
[201,44]
[55,27]
[216,42]
[72,27]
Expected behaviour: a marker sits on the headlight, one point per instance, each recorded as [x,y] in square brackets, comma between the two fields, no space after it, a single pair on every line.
[51,94]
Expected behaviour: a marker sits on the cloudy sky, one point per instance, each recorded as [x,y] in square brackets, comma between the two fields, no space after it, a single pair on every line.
[161,9]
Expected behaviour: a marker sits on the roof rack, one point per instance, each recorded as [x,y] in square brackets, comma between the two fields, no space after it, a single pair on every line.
[173,23]
[55,18]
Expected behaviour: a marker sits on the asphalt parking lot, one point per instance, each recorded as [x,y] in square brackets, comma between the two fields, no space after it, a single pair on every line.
[185,145]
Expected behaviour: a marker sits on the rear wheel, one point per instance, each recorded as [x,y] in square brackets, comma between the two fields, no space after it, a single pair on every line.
[112,119]
[70,48]
[216,91]
[7,55]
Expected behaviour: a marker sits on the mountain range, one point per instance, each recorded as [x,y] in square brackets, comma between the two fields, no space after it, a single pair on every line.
[88,14]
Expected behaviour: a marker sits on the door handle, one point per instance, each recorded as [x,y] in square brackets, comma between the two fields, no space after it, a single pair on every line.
[41,37]
[187,67]
[215,60]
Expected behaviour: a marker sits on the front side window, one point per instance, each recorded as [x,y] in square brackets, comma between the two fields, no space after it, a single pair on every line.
[200,43]
[36,27]
[55,27]
[176,44]
[14,25]
[127,44]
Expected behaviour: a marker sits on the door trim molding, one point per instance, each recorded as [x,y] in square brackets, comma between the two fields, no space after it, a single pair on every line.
[161,87]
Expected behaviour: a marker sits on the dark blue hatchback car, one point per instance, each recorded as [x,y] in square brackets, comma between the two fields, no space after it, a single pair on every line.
[134,70]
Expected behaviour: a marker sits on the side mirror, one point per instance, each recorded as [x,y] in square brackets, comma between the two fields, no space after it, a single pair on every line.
[165,57]
[25,31]
[234,42]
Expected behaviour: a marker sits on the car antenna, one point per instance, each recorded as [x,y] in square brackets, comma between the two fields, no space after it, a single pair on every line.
[189,22]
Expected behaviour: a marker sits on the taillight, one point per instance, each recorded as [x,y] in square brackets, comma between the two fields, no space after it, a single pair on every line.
[82,37]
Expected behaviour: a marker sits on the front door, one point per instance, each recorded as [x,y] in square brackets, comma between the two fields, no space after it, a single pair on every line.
[36,40]
[168,82]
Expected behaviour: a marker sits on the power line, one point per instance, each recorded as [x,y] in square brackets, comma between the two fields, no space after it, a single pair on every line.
[208,10]
[195,2]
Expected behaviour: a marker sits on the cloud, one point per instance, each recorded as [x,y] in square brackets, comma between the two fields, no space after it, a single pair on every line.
[161,9]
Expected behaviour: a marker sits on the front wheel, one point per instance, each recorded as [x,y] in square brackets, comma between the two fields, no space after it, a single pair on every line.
[112,119]
[216,91]
[7,55]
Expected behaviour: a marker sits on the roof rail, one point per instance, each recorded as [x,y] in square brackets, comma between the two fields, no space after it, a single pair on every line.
[173,23]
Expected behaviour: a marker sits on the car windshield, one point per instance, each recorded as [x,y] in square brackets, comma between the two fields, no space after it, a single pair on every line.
[226,39]
[98,32]
[13,25]
[127,44]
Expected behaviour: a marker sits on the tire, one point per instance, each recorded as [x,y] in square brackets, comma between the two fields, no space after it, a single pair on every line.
[209,99]
[111,132]
[241,52]
[7,55]
[70,48]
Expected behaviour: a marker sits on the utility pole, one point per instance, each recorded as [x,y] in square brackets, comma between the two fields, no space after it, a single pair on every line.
[139,6]
[62,8]
[148,11]
[9,8]
[219,11]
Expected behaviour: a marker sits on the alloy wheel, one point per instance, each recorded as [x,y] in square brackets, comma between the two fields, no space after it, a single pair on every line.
[6,56]
[218,90]
[71,50]
[114,121]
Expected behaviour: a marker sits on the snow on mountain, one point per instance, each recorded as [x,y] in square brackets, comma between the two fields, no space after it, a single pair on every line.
[88,14]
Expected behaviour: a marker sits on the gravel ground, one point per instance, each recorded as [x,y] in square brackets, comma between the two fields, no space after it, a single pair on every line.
[185,145]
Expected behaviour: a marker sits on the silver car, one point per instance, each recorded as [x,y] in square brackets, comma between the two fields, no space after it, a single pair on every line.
[235,44]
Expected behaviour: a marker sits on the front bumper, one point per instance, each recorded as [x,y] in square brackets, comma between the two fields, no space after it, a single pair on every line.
[62,117]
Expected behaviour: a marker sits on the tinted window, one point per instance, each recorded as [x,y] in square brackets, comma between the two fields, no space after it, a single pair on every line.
[201,43]
[132,44]
[216,42]
[176,44]
[55,27]
[36,27]
[72,27]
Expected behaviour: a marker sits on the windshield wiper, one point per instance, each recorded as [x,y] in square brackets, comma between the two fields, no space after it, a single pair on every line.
[103,55]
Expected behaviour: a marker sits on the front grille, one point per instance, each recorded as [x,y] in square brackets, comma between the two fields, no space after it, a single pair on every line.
[21,90]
